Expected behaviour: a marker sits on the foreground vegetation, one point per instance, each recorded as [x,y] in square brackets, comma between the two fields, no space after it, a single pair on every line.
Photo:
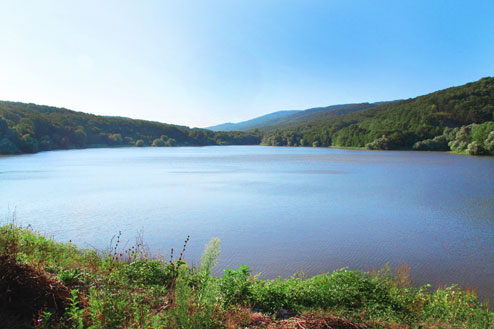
[46,284]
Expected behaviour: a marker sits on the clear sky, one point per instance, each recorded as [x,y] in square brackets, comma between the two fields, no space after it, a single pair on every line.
[200,63]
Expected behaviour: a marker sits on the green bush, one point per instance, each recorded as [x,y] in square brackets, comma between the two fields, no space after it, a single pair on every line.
[274,296]
[196,293]
[148,272]
[158,143]
[474,148]
[438,143]
[236,286]
[489,143]
[382,143]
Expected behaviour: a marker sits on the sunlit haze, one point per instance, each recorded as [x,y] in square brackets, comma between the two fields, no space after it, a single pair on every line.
[200,63]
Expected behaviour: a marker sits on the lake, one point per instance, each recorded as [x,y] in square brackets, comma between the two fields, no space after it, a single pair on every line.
[279,210]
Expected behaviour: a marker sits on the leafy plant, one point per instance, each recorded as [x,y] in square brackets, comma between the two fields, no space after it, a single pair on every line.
[75,313]
[236,286]
[196,303]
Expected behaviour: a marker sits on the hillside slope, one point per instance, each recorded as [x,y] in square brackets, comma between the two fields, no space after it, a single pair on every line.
[400,124]
[29,128]
[258,122]
[284,119]
[317,114]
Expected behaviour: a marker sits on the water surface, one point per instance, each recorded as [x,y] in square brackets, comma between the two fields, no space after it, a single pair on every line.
[279,210]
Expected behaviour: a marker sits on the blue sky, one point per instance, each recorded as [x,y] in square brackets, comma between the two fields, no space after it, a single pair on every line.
[200,63]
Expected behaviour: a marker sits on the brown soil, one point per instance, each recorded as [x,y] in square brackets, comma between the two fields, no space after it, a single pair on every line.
[305,321]
[25,292]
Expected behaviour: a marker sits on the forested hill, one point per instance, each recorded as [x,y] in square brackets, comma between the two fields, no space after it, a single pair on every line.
[317,114]
[456,118]
[460,119]
[253,123]
[29,128]
[285,119]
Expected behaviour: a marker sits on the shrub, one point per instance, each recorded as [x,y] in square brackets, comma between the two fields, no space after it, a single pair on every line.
[382,143]
[489,143]
[438,143]
[236,286]
[148,272]
[195,294]
[474,148]
[158,143]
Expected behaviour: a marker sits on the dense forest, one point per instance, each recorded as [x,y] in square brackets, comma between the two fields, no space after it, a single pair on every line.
[450,119]
[30,128]
[459,119]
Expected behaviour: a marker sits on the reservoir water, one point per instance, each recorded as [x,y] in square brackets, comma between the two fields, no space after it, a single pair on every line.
[278,210]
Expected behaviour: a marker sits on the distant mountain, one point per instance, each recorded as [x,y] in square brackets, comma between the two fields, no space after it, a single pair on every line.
[261,121]
[316,114]
[283,119]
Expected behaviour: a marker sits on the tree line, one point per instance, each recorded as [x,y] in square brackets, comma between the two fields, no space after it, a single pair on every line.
[458,119]
[30,128]
[401,124]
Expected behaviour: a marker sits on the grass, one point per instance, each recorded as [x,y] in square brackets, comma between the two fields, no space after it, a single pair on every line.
[127,289]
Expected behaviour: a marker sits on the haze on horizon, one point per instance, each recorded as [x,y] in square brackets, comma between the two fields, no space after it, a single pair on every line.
[201,63]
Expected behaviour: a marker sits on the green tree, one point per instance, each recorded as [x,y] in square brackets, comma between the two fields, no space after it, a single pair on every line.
[158,143]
